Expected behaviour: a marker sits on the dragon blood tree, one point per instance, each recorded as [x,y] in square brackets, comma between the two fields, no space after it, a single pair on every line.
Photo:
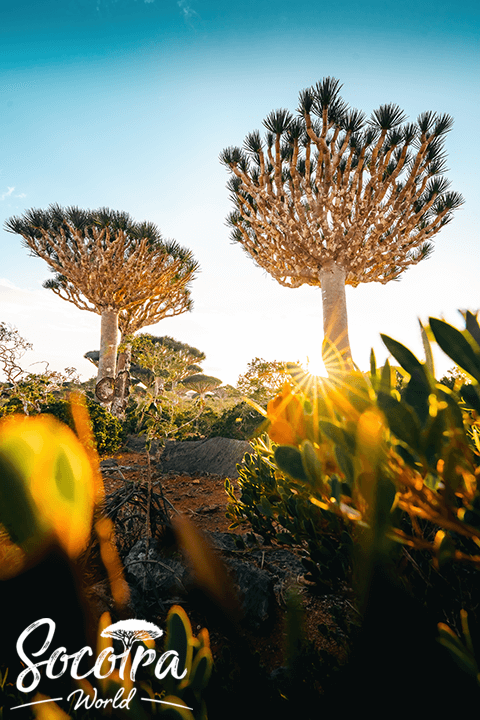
[134,318]
[168,360]
[331,198]
[107,263]
[202,384]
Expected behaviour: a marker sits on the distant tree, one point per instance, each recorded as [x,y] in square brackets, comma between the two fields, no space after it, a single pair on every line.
[228,392]
[12,348]
[107,263]
[201,384]
[26,391]
[455,377]
[330,198]
[168,360]
[263,379]
[239,422]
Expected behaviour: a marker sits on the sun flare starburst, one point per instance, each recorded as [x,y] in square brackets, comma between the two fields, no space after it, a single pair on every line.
[315,366]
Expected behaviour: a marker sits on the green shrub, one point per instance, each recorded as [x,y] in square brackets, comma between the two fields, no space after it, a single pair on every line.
[280,509]
[238,422]
[167,417]
[191,424]
[108,430]
[352,459]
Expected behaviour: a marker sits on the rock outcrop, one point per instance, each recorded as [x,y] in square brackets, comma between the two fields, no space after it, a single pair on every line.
[259,574]
[218,456]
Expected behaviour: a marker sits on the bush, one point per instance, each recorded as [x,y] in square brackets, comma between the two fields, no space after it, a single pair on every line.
[280,509]
[238,422]
[350,460]
[191,424]
[108,430]
[188,420]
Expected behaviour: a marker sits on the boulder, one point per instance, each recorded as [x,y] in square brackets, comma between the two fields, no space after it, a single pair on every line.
[258,575]
[216,456]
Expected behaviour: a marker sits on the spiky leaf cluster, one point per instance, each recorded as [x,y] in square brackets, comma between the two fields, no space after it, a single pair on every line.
[104,259]
[201,383]
[331,185]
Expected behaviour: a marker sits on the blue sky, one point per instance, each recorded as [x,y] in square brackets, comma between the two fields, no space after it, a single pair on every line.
[127,104]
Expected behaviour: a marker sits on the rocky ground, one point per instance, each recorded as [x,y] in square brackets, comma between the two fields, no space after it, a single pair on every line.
[261,575]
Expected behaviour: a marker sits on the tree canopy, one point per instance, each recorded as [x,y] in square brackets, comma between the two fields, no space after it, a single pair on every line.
[262,380]
[331,191]
[167,359]
[202,384]
[105,262]
[104,258]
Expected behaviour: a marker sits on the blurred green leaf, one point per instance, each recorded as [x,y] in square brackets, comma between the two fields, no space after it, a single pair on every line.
[18,512]
[311,463]
[201,669]
[403,355]
[345,462]
[401,419]
[179,637]
[470,394]
[428,351]
[373,368]
[417,396]
[386,379]
[289,460]
[338,434]
[472,326]
[335,488]
[456,346]
[433,439]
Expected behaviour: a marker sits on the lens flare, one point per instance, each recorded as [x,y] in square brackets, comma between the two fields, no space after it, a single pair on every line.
[315,366]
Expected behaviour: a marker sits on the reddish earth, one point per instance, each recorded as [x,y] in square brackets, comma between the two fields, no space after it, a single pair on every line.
[203,499]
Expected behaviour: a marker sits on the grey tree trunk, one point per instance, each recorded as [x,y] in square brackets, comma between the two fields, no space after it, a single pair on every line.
[124,358]
[158,386]
[335,322]
[122,382]
[108,344]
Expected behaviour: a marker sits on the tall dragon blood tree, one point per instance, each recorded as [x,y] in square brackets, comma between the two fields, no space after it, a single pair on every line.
[331,198]
[105,262]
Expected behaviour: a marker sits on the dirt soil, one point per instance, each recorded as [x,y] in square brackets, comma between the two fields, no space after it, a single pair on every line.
[203,499]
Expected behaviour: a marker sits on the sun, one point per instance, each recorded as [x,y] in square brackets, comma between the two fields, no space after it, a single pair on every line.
[315,366]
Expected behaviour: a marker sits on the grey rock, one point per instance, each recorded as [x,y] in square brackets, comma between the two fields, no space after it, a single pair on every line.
[153,572]
[255,589]
[281,563]
[138,443]
[108,463]
[223,541]
[216,456]
[258,575]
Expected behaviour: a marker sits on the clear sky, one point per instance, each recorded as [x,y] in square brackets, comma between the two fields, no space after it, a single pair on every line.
[128,103]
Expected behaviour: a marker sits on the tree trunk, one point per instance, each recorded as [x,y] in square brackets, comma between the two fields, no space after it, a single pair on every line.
[122,382]
[107,361]
[158,385]
[335,323]
[124,358]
